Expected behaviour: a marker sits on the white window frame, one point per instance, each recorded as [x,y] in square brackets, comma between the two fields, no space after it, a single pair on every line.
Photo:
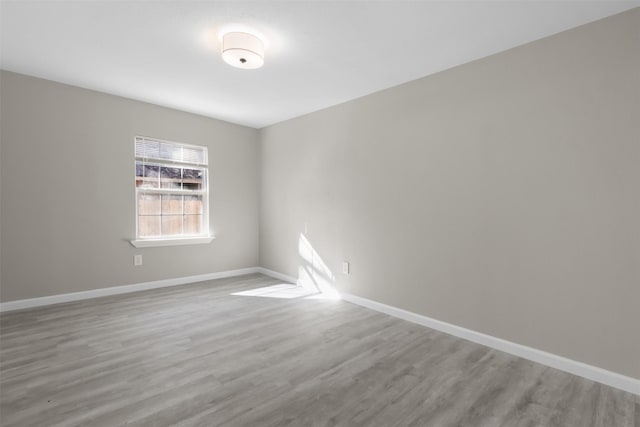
[205,237]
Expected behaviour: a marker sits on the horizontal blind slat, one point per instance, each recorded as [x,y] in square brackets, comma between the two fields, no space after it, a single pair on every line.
[147,148]
[143,190]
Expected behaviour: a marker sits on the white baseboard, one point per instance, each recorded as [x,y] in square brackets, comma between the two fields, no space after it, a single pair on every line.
[115,290]
[590,372]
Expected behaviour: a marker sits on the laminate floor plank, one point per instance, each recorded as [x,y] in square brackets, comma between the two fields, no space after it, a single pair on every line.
[217,354]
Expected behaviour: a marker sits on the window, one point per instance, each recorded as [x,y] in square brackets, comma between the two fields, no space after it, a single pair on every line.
[171,190]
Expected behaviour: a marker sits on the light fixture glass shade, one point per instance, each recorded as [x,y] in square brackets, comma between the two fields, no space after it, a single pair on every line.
[242,50]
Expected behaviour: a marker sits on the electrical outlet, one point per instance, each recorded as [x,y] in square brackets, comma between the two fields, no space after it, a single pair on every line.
[345,267]
[137,260]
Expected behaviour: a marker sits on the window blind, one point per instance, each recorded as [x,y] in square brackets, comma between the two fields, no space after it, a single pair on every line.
[172,152]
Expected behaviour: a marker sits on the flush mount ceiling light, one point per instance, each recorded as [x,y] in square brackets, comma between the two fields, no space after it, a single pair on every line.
[242,50]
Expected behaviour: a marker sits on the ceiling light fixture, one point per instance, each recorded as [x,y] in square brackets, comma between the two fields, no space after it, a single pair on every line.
[242,50]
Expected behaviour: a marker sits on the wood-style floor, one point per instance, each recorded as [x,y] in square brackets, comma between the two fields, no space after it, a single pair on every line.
[197,355]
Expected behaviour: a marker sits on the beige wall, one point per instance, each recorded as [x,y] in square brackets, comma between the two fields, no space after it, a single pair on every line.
[502,195]
[68,190]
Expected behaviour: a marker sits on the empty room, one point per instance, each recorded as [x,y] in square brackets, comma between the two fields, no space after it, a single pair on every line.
[320,213]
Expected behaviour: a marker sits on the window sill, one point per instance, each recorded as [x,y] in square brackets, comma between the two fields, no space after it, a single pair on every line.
[150,243]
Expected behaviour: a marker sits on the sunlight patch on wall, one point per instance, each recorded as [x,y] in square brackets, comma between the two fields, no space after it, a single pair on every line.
[313,272]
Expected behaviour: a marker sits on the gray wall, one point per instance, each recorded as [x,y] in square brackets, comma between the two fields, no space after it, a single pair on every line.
[502,195]
[68,190]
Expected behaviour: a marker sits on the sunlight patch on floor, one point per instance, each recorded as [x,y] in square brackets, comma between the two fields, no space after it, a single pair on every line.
[288,291]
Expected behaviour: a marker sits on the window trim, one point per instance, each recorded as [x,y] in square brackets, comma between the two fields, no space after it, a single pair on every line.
[206,236]
[176,241]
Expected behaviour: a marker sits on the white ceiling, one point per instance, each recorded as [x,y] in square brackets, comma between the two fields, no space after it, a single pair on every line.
[319,53]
